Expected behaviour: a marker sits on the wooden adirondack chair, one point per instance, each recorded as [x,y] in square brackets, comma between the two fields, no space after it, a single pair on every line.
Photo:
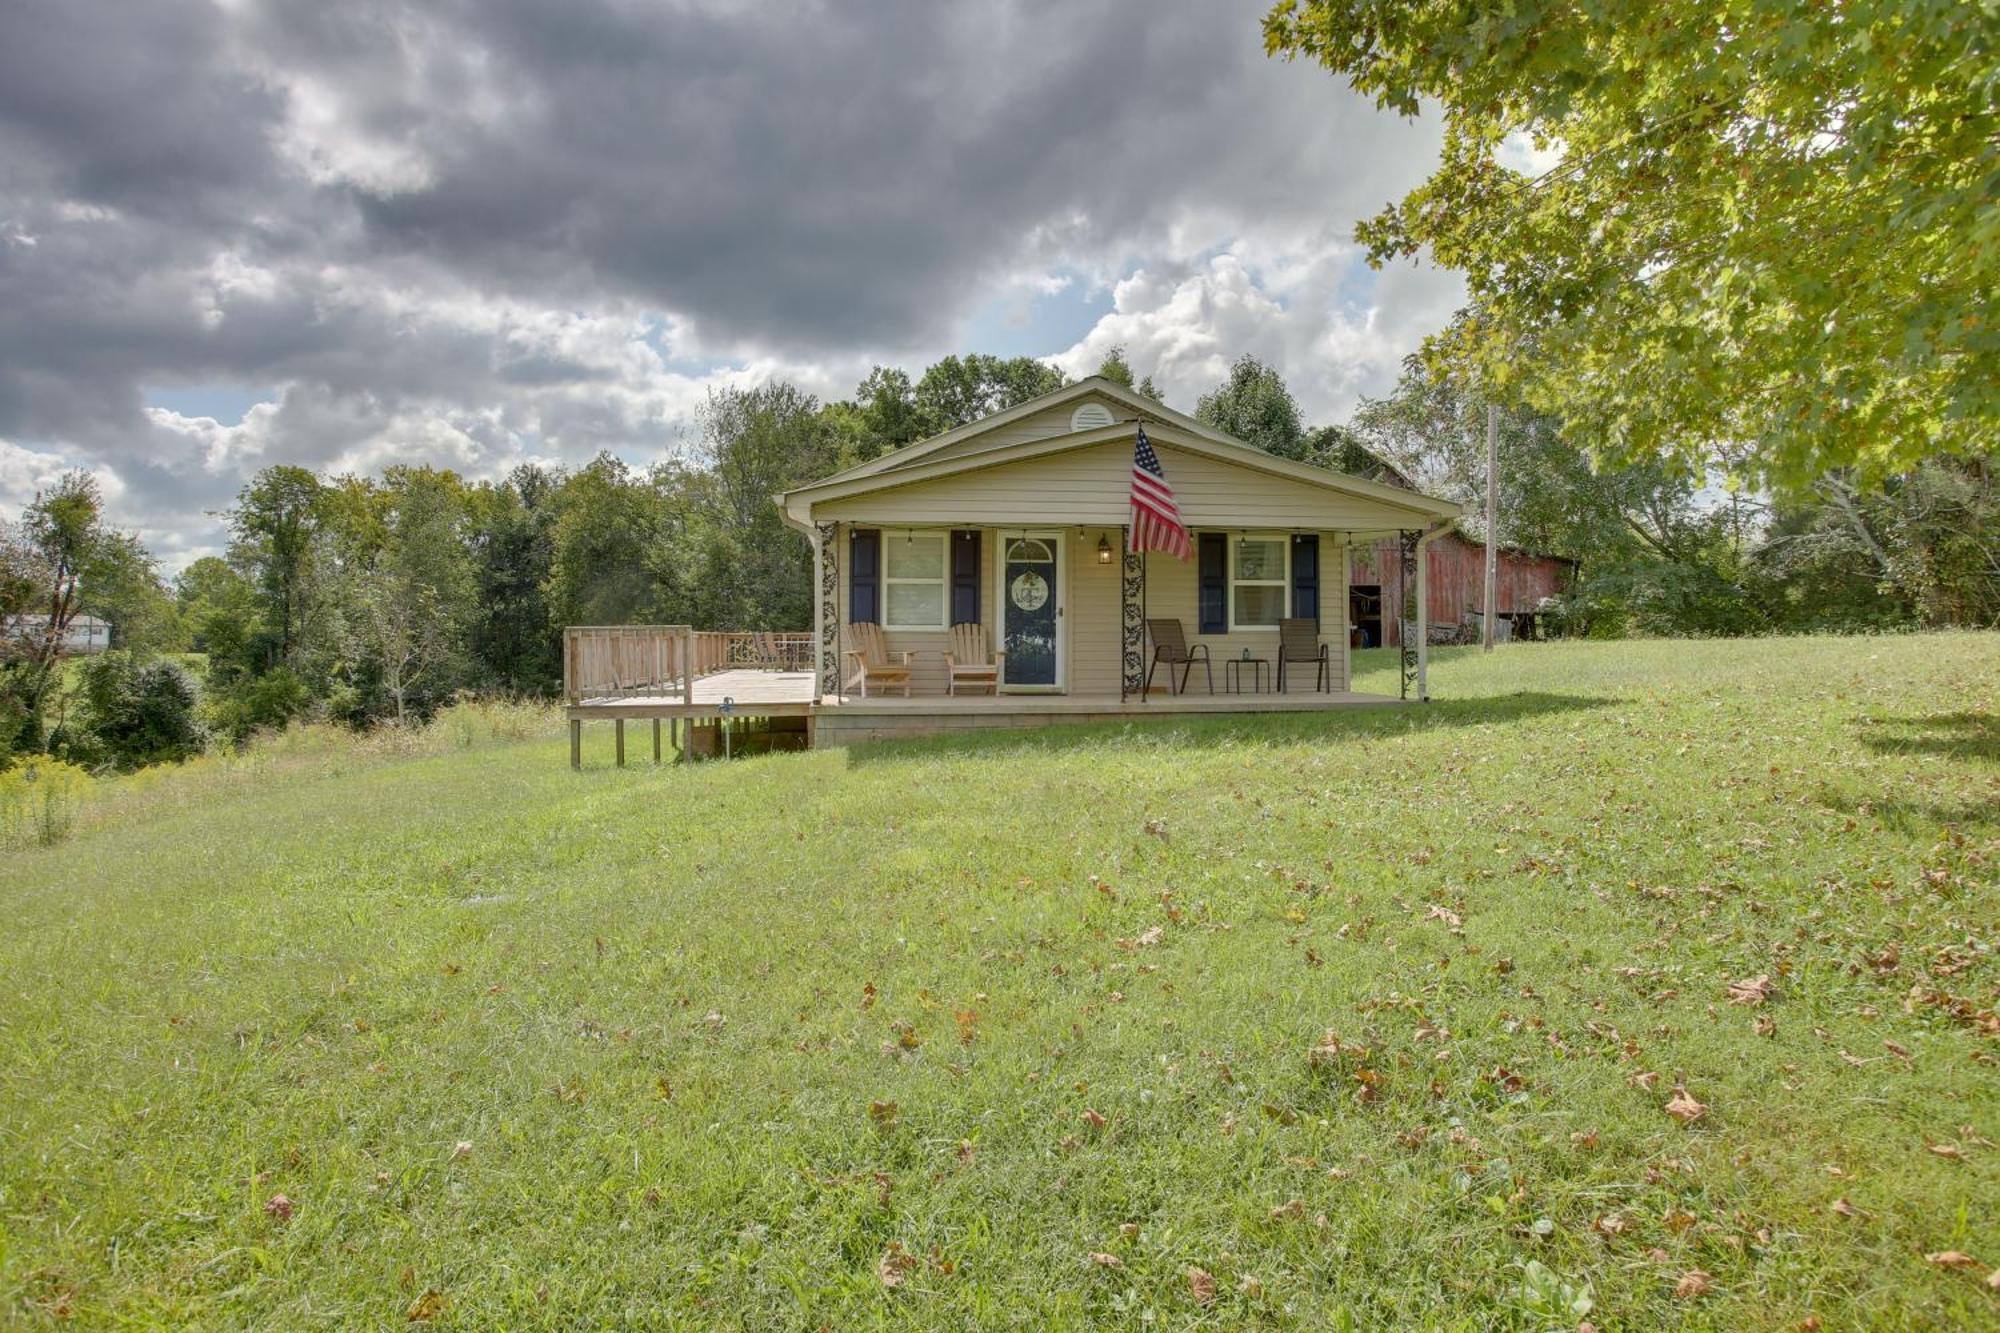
[968,663]
[1298,641]
[867,658]
[1170,647]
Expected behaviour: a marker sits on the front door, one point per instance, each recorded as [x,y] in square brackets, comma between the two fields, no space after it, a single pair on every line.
[1031,610]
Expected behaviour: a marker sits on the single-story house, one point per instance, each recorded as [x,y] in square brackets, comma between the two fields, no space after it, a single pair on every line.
[1019,523]
[985,578]
[85,634]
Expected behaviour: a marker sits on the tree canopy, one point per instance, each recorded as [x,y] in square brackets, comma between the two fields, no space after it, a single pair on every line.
[1254,405]
[1769,224]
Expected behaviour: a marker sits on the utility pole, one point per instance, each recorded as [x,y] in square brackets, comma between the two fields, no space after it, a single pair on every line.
[1492,522]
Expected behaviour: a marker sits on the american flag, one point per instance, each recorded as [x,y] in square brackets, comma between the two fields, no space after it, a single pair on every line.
[1156,519]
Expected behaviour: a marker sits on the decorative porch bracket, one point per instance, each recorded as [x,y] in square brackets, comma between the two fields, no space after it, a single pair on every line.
[829,609]
[1410,542]
[1132,679]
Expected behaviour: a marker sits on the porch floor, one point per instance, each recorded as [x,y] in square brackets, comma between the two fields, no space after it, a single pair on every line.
[755,693]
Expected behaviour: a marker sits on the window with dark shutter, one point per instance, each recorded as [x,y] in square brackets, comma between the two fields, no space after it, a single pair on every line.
[965,577]
[864,577]
[1214,601]
[1305,576]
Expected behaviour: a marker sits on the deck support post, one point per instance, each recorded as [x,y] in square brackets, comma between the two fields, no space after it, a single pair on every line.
[674,731]
[620,725]
[656,740]
[1132,621]
[826,613]
[576,742]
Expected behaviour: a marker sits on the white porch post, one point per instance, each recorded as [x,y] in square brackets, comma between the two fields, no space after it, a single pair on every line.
[1346,612]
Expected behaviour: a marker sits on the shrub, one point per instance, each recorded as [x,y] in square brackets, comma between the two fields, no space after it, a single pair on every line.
[259,703]
[138,712]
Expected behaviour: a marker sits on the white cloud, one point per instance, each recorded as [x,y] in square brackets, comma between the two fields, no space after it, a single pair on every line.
[1333,329]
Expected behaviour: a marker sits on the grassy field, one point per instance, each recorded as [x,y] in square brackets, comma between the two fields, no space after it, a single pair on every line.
[1646,984]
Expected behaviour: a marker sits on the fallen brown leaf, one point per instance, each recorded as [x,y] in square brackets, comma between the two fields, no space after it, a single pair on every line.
[1201,1285]
[1952,1259]
[1693,1283]
[895,1264]
[1685,1108]
[427,1306]
[1751,990]
[1103,1260]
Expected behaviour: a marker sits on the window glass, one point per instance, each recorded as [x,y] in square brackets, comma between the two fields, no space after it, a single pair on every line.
[914,555]
[915,605]
[1259,604]
[1260,559]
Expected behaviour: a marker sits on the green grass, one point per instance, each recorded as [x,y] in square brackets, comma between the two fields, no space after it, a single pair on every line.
[659,1005]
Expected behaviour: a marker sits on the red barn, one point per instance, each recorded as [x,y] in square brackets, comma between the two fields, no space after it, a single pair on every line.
[1457,578]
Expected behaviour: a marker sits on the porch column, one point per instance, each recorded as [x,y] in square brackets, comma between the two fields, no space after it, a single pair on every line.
[826,613]
[1132,679]
[1423,621]
[1408,612]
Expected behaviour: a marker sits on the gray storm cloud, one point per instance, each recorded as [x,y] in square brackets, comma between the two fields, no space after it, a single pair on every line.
[473,232]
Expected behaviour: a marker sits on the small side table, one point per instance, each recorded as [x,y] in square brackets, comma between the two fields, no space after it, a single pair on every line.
[1232,677]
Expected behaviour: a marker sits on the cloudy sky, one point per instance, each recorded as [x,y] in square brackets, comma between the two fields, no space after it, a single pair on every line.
[471,232]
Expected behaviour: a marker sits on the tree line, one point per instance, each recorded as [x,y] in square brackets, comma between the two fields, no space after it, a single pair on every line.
[375,599]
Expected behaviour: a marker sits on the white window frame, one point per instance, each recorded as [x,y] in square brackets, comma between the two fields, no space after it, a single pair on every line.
[1283,582]
[942,581]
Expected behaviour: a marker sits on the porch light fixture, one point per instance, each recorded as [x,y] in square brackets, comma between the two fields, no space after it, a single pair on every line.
[1103,549]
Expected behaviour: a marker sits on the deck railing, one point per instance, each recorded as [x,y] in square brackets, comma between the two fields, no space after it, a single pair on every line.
[627,661]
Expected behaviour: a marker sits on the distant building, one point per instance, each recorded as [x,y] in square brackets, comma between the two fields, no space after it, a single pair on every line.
[1457,593]
[87,634]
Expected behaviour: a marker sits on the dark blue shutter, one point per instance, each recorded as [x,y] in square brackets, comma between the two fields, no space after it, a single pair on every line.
[864,577]
[965,577]
[1305,577]
[1214,582]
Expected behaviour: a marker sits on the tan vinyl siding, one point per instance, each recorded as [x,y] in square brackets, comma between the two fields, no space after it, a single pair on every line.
[1172,590]
[1091,487]
[1091,616]
[927,668]
[1094,612]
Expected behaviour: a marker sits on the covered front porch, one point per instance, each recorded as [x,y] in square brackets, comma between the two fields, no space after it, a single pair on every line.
[705,694]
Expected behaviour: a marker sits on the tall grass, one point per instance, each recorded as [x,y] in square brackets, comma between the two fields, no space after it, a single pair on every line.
[44,802]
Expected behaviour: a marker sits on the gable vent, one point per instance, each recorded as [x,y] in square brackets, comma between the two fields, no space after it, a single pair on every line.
[1091,416]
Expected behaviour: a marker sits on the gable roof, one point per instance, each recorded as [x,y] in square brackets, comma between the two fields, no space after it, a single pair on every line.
[913,466]
[1097,385]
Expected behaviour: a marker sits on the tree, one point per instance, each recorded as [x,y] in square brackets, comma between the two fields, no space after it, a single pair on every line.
[756,442]
[1118,370]
[958,390]
[122,585]
[1652,552]
[887,412]
[276,524]
[1768,223]
[416,602]
[510,535]
[218,608]
[1254,405]
[608,525]
[61,533]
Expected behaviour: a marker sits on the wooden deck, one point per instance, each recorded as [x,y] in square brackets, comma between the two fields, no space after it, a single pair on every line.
[751,693]
[833,720]
[708,686]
